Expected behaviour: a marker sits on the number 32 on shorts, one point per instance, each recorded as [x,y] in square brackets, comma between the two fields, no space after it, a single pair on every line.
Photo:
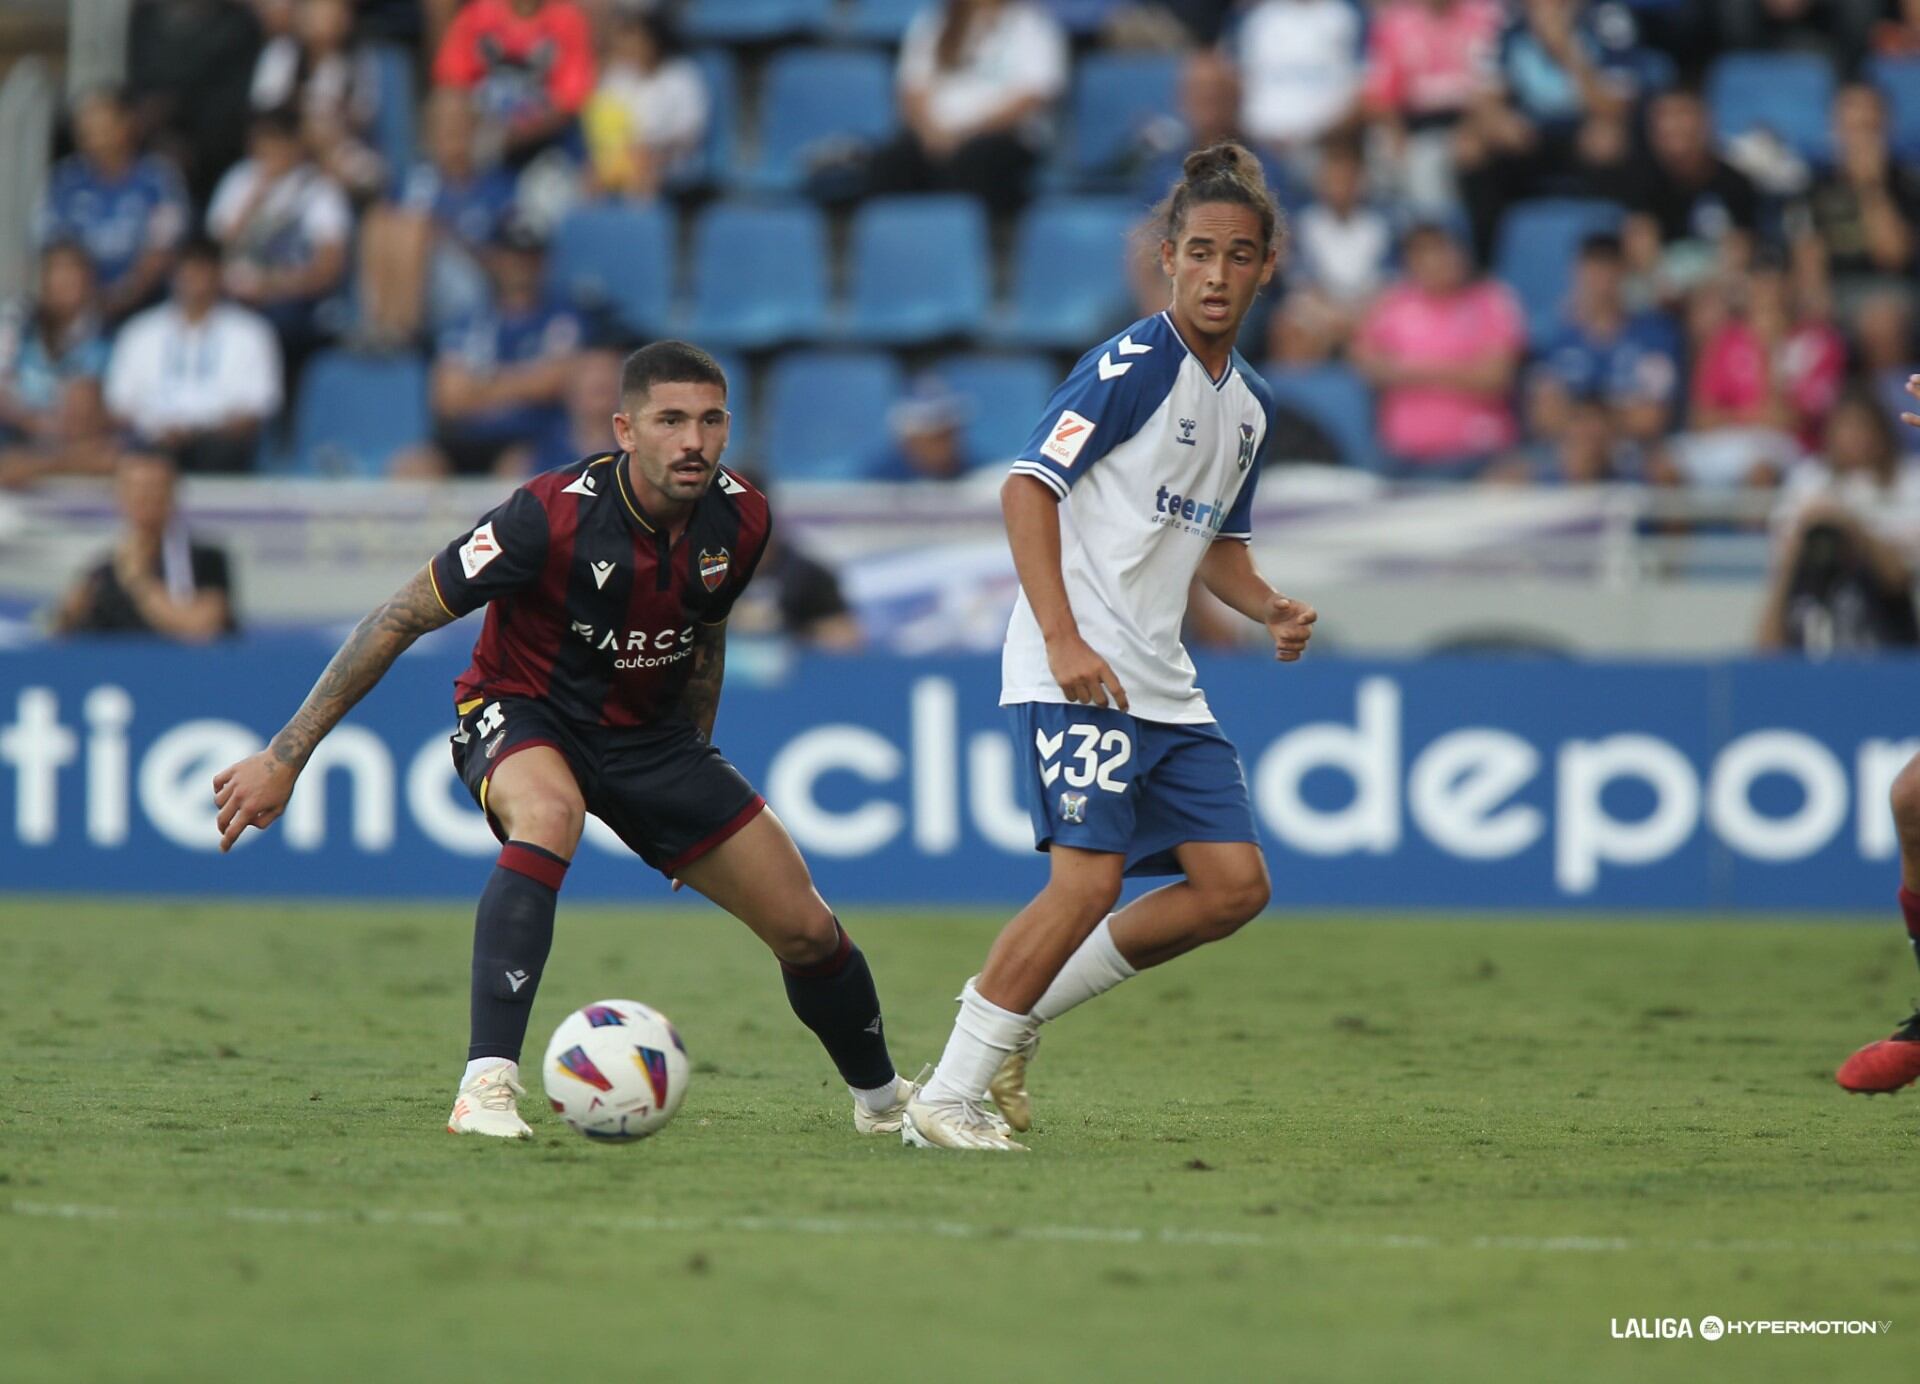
[1084,755]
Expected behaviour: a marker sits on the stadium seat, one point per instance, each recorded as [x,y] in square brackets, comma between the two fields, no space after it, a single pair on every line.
[825,414]
[1070,273]
[740,403]
[813,98]
[754,21]
[759,275]
[1787,93]
[393,115]
[919,269]
[1008,394]
[715,156]
[879,21]
[617,258]
[1537,244]
[1336,398]
[356,411]
[1115,95]
[1899,81]
[1083,18]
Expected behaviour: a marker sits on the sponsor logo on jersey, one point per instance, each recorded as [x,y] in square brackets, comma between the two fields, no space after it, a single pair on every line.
[480,548]
[1246,445]
[493,746]
[642,648]
[713,568]
[583,486]
[1206,517]
[1069,435]
[601,571]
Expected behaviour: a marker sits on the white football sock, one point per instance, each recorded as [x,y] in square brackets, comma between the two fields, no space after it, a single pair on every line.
[983,1035]
[1092,970]
[481,1064]
[880,1099]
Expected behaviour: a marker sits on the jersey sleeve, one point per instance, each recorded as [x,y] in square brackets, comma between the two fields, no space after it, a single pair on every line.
[749,562]
[1102,403]
[500,555]
[1239,523]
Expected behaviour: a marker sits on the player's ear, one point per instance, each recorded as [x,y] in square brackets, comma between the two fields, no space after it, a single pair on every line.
[1166,258]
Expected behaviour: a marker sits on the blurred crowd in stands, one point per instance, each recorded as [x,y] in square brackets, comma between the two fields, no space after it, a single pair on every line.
[1531,241]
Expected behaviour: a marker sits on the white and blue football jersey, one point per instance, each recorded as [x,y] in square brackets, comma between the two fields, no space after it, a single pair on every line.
[1153,461]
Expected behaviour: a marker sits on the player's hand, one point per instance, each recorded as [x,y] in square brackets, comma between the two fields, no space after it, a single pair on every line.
[252,793]
[1082,674]
[1290,622]
[1913,388]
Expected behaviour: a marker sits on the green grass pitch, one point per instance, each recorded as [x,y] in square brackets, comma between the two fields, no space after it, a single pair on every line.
[1332,1149]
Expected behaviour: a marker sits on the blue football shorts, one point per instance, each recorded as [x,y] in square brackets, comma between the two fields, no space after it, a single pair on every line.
[1099,779]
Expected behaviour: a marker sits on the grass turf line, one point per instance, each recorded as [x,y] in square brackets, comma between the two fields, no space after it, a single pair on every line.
[1328,1149]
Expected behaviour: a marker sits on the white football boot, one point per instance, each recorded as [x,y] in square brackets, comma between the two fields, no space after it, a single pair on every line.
[885,1121]
[955,1124]
[486,1105]
[1009,1085]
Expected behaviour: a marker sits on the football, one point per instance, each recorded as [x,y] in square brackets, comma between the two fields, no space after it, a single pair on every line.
[616,1070]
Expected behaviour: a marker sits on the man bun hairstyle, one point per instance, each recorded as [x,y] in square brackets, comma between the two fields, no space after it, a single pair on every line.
[1223,172]
[668,362]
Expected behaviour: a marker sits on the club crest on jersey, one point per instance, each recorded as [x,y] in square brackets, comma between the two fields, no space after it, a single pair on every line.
[1246,445]
[480,548]
[1073,807]
[713,568]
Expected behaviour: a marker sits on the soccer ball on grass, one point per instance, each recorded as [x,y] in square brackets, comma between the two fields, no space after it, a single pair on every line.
[616,1070]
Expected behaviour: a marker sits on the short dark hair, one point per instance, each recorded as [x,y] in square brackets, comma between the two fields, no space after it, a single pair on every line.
[1223,172]
[1602,245]
[281,121]
[669,362]
[200,246]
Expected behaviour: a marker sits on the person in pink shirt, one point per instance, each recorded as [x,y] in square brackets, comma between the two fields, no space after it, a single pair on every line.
[1426,62]
[1777,364]
[1442,349]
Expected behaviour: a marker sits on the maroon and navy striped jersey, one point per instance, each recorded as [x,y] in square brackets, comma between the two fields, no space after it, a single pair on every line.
[590,608]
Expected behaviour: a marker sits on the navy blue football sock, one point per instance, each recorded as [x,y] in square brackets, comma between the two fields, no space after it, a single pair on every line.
[836,999]
[512,934]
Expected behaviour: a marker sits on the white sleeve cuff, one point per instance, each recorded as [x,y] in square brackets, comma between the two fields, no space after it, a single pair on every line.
[1041,473]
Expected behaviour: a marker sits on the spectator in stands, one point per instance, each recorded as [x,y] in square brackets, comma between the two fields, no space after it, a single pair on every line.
[977,82]
[1442,349]
[592,398]
[798,597]
[1839,30]
[1209,114]
[1858,224]
[500,380]
[284,225]
[1883,335]
[927,434]
[1691,214]
[157,579]
[1341,248]
[52,355]
[529,64]
[189,69]
[1587,449]
[196,378]
[1426,62]
[420,256]
[649,113]
[1565,79]
[1301,66]
[1847,528]
[315,68]
[1766,358]
[128,210]
[1628,362]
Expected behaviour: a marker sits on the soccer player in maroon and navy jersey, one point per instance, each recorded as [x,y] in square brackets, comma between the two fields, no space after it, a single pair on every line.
[593,688]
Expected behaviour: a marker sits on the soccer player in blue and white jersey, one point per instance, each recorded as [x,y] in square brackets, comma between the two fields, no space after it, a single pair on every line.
[1139,478]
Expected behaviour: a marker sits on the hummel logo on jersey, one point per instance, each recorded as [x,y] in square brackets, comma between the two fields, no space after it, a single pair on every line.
[583,486]
[480,548]
[1109,370]
[1187,425]
[1048,746]
[601,571]
[516,979]
[1128,347]
[1069,435]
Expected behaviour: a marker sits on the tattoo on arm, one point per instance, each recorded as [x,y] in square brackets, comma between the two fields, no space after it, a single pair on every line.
[700,699]
[361,662]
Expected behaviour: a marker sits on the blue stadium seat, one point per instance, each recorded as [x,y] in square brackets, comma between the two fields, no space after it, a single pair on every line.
[715,156]
[1115,95]
[880,21]
[1008,395]
[1070,273]
[754,21]
[1899,81]
[356,411]
[1787,93]
[393,128]
[826,413]
[1336,398]
[759,275]
[919,269]
[814,97]
[618,258]
[1082,17]
[1536,248]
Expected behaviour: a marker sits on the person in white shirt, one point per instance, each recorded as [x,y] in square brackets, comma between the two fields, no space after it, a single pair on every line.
[977,82]
[1300,74]
[1342,247]
[196,378]
[1139,478]
[650,111]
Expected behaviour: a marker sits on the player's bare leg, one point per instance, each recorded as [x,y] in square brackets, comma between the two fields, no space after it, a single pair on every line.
[1894,1062]
[534,799]
[758,876]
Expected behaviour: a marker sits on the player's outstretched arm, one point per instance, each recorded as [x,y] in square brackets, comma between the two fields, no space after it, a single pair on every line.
[254,792]
[1033,532]
[1228,572]
[700,699]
